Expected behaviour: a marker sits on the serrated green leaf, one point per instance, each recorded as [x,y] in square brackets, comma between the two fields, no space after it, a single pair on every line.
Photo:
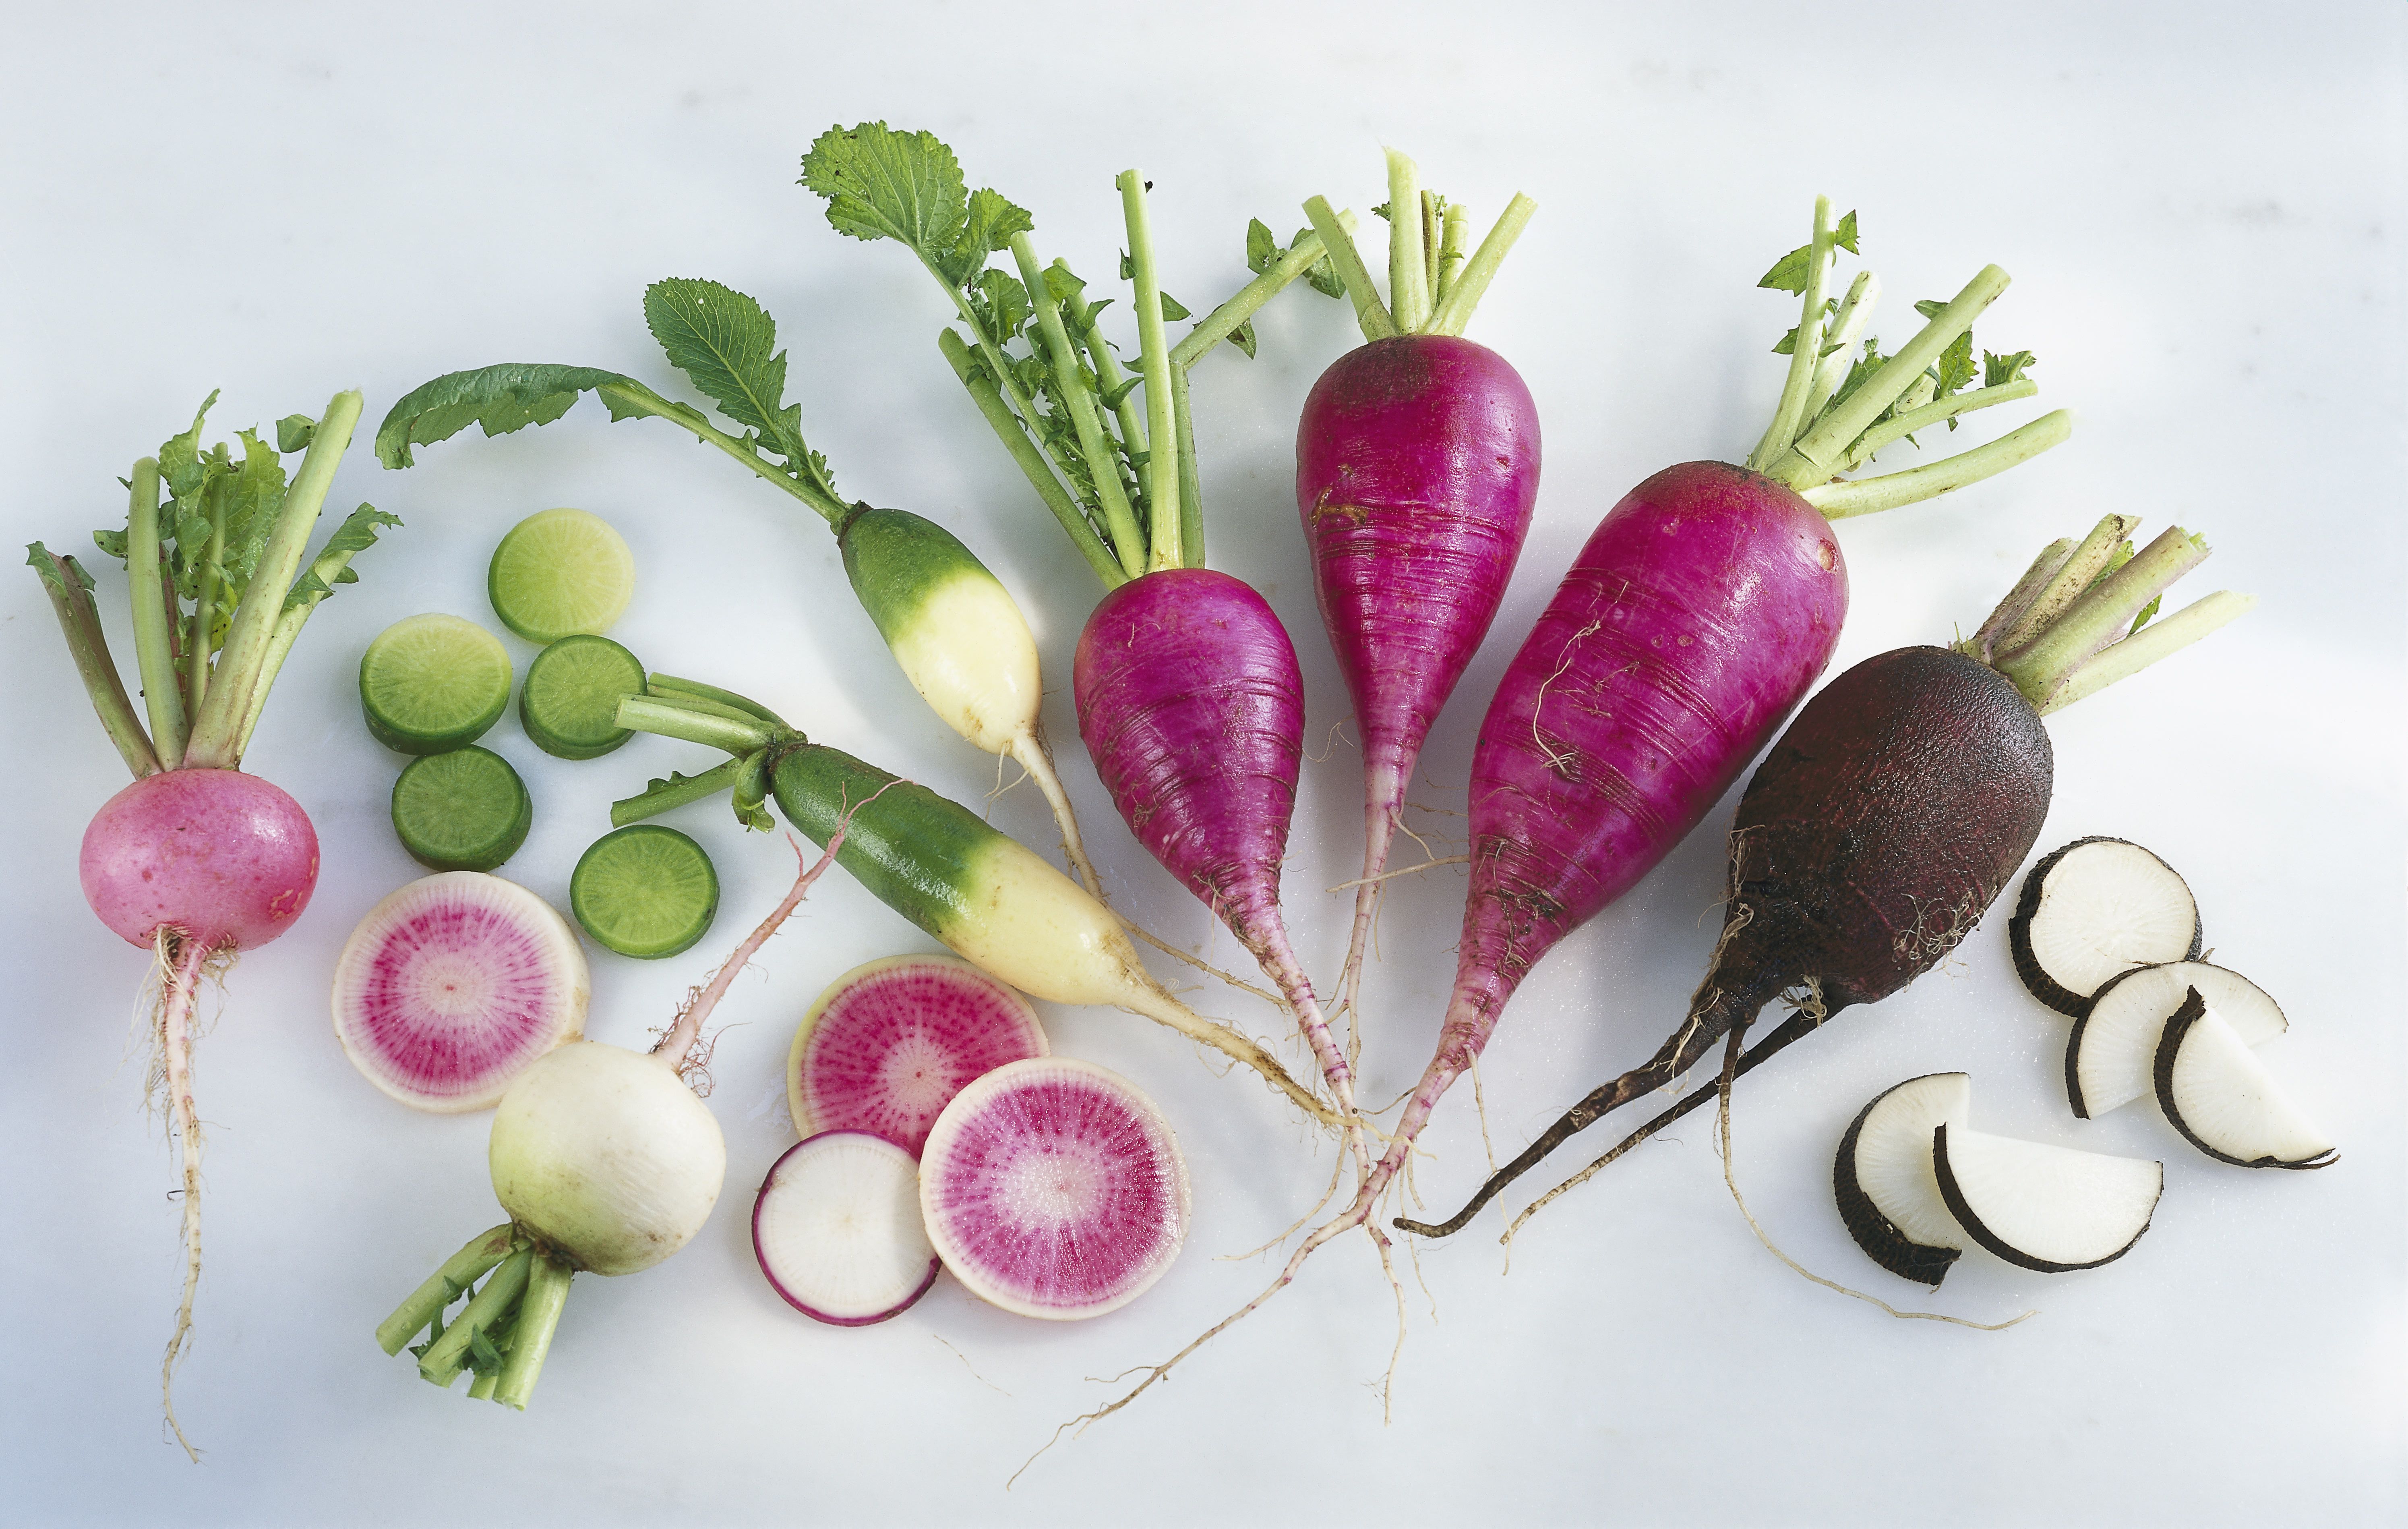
[500,400]
[2000,369]
[1062,283]
[1172,309]
[1129,385]
[1323,276]
[2147,611]
[1261,249]
[1788,343]
[1242,337]
[1384,211]
[111,543]
[883,184]
[727,345]
[1861,371]
[991,222]
[356,534]
[1930,306]
[1788,273]
[1845,234]
[293,432]
[483,1358]
[1956,369]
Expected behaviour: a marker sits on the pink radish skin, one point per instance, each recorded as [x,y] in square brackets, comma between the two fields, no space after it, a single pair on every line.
[1055,1188]
[890,1043]
[792,1221]
[1416,471]
[225,860]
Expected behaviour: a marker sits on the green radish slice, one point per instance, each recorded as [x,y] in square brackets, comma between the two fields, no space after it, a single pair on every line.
[838,1231]
[645,891]
[431,683]
[1054,1188]
[561,572]
[467,810]
[569,705]
[450,988]
[889,1043]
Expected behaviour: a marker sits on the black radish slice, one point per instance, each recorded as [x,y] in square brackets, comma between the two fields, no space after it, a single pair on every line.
[1884,1180]
[889,1043]
[2093,910]
[2050,1208]
[2217,1092]
[452,986]
[2111,1059]
[838,1231]
[1054,1188]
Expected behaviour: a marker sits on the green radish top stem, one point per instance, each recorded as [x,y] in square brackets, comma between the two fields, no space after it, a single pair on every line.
[1431,289]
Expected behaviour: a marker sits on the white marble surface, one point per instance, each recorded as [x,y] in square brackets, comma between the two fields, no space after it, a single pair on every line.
[2203,208]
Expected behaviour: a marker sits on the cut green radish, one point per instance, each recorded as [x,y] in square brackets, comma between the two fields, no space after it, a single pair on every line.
[2217,1092]
[838,1231]
[431,683]
[2044,1207]
[1884,1181]
[467,810]
[1054,1188]
[889,1043]
[645,891]
[2094,910]
[561,572]
[450,988]
[569,705]
[2111,1057]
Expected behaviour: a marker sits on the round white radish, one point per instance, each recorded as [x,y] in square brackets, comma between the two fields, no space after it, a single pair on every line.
[1055,1188]
[1884,1181]
[2217,1092]
[2094,909]
[450,988]
[2111,1057]
[2049,1208]
[837,1229]
[889,1043]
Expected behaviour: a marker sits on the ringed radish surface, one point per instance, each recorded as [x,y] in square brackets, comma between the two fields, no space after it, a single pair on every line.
[196,862]
[838,1231]
[889,1043]
[2111,1055]
[2093,911]
[452,986]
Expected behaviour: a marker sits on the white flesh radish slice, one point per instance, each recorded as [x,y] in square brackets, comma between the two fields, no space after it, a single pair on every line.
[2217,1092]
[2049,1208]
[1884,1179]
[889,1043]
[450,988]
[2094,909]
[2111,1059]
[837,1229]
[1055,1188]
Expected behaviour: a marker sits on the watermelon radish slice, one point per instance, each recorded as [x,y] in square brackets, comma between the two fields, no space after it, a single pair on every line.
[450,988]
[1055,1188]
[889,1043]
[836,1228]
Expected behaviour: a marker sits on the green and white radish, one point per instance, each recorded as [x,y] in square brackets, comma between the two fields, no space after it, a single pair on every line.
[837,1229]
[1055,1188]
[2222,1099]
[2111,1057]
[453,985]
[2047,1208]
[467,810]
[2094,910]
[1883,1177]
[889,1043]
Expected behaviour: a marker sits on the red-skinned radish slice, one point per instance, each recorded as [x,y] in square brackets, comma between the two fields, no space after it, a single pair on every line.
[2111,1057]
[452,986]
[2217,1092]
[1884,1182]
[889,1043]
[2094,910]
[2049,1208]
[1055,1188]
[838,1231]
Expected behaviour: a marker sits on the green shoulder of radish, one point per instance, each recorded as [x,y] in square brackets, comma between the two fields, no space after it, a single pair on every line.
[196,861]
[1189,696]
[1897,806]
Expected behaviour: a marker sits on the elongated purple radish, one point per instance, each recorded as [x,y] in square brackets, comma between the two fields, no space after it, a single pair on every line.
[1055,1188]
[838,1231]
[450,988]
[889,1043]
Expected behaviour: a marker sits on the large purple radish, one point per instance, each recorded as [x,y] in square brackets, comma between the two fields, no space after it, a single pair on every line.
[450,987]
[838,1231]
[1055,1188]
[889,1043]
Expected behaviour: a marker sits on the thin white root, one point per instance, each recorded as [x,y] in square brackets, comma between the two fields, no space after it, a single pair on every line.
[184,959]
[972,1368]
[1336,1172]
[1408,871]
[1202,965]
[1480,1105]
[1035,757]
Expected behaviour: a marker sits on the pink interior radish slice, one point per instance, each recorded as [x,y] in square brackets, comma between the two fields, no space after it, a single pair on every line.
[1055,1188]
[837,1229]
[889,1043]
[451,986]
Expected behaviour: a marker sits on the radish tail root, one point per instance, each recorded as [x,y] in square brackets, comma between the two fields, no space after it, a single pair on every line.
[184,958]
[1158,1003]
[1200,964]
[1033,754]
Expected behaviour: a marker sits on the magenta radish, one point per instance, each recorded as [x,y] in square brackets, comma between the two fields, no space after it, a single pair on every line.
[452,986]
[1055,1188]
[888,1045]
[196,860]
[838,1231]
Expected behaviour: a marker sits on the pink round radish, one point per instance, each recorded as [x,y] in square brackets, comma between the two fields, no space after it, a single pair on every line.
[838,1231]
[223,859]
[889,1043]
[450,988]
[1055,1188]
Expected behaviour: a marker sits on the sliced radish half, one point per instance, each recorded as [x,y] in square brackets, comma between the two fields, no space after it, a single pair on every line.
[2217,1092]
[1884,1179]
[889,1043]
[1055,1188]
[2049,1208]
[2111,1059]
[837,1229]
[2096,909]
[450,988]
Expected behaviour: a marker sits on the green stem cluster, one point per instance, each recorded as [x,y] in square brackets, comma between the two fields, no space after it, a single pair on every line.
[1432,289]
[504,1333]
